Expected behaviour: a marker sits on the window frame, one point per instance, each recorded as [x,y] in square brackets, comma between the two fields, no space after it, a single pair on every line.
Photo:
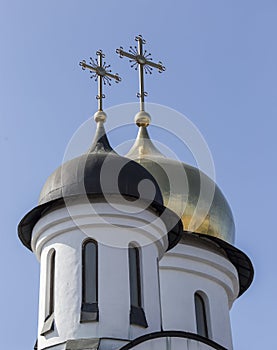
[201,315]
[89,310]
[48,325]
[137,315]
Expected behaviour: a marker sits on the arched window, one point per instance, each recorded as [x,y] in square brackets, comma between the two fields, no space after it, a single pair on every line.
[48,325]
[89,309]
[137,315]
[51,285]
[201,316]
[134,275]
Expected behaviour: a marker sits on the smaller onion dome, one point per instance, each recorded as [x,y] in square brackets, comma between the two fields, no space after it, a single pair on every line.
[99,172]
[180,185]
[217,223]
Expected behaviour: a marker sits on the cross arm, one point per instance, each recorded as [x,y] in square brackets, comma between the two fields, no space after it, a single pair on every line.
[85,65]
[159,66]
[122,53]
[116,77]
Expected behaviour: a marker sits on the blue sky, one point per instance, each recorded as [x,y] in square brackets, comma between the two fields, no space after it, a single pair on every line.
[221,72]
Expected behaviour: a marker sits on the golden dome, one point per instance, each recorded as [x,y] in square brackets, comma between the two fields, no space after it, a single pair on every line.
[186,190]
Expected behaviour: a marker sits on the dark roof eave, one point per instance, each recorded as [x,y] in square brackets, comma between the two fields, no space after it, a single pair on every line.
[26,225]
[238,258]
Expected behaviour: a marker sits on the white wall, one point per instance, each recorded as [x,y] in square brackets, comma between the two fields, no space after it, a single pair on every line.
[192,267]
[64,230]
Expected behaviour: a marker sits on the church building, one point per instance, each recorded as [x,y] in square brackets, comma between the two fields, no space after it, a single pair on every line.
[127,258]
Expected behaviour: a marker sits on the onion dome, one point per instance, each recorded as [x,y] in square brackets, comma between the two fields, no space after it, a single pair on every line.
[100,172]
[183,187]
[181,184]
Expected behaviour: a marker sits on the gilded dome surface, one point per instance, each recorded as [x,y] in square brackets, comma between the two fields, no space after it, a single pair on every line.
[187,191]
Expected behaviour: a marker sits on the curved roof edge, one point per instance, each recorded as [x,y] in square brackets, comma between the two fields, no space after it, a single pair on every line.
[26,225]
[172,334]
[237,257]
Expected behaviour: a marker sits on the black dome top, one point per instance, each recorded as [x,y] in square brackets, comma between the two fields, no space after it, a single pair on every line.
[100,172]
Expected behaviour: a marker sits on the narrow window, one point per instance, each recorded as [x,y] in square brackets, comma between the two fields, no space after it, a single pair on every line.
[89,309]
[52,284]
[201,317]
[134,275]
[50,293]
[137,315]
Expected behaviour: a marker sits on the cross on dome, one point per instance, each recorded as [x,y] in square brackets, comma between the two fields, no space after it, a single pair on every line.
[101,72]
[141,59]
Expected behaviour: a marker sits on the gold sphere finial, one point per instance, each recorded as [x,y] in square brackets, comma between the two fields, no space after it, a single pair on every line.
[100,116]
[142,118]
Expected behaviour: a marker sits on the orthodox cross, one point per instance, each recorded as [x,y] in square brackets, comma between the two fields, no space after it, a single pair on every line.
[101,72]
[140,58]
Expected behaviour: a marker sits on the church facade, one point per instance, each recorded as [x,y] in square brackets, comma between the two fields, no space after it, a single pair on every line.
[131,262]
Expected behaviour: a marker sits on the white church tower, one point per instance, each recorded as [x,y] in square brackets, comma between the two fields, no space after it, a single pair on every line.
[126,262]
[204,273]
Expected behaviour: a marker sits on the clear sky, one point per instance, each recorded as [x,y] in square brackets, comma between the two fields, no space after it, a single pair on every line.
[221,60]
